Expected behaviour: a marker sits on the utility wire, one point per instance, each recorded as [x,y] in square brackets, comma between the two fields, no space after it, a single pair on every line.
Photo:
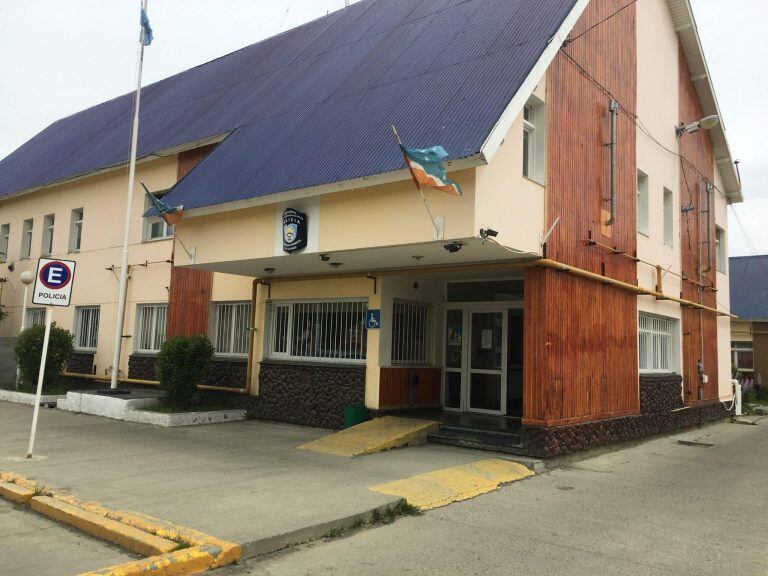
[569,40]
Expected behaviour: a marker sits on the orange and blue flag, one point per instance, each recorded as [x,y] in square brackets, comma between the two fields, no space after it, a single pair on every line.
[426,165]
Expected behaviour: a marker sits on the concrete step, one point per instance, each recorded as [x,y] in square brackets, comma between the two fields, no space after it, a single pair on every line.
[510,444]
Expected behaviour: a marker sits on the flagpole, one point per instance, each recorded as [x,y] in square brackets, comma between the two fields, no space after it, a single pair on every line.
[123,286]
[418,186]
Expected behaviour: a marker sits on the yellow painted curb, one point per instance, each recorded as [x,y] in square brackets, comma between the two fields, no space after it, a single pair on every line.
[181,563]
[15,493]
[448,485]
[225,552]
[124,536]
[373,436]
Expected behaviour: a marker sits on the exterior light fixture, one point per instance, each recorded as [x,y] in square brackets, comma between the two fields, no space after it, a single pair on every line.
[335,264]
[324,257]
[706,123]
[269,270]
[453,247]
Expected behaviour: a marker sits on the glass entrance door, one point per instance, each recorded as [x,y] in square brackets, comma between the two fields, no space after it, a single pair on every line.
[487,366]
[475,377]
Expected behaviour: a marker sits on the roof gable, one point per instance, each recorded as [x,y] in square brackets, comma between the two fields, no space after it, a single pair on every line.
[313,106]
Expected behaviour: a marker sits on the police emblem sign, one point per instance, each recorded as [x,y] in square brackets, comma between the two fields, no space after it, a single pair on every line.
[294,230]
[53,283]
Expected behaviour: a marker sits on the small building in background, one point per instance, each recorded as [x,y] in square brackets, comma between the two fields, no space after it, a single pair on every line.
[749,334]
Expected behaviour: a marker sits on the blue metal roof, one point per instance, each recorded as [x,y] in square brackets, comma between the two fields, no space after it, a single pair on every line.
[314,105]
[749,287]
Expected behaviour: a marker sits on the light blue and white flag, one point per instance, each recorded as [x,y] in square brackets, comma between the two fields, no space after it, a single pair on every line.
[146,29]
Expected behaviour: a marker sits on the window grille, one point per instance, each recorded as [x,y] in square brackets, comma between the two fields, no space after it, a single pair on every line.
[231,327]
[149,334]
[35,317]
[320,330]
[657,344]
[86,327]
[410,333]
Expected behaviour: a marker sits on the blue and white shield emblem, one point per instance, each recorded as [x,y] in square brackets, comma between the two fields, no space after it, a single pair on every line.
[294,230]
[290,232]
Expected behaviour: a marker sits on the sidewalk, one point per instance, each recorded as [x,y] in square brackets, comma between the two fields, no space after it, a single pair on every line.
[246,481]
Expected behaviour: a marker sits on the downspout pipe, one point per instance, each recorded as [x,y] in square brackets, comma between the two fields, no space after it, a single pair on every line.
[614,108]
[708,241]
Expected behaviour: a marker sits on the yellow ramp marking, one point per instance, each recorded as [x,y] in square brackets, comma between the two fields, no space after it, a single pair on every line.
[448,485]
[373,436]
[15,493]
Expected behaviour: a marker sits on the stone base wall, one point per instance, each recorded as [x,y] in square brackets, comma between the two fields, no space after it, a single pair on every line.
[310,395]
[224,373]
[81,363]
[661,410]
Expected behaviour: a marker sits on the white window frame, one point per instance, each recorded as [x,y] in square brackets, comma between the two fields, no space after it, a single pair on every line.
[27,231]
[358,354]
[534,140]
[721,258]
[76,230]
[668,209]
[34,317]
[655,328]
[90,316]
[416,318]
[150,222]
[643,204]
[49,226]
[5,241]
[216,331]
[151,340]
[742,346]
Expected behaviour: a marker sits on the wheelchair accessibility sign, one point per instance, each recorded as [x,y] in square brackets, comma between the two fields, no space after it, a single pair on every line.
[53,283]
[373,319]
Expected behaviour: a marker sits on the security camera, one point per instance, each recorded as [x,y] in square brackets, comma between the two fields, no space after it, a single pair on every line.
[488,233]
[11,267]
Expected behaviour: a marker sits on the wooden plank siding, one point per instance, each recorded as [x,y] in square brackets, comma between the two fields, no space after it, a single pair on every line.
[189,299]
[699,329]
[395,385]
[581,358]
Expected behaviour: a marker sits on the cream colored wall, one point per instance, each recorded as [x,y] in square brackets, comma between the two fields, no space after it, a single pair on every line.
[657,107]
[102,198]
[724,357]
[741,331]
[507,201]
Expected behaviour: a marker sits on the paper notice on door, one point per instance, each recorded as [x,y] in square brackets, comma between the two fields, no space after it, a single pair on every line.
[486,339]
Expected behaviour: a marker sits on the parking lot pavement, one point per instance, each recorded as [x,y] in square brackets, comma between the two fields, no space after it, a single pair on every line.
[690,504]
[31,545]
[245,482]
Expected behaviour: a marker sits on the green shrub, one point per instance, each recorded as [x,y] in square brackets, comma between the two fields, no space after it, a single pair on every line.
[181,365]
[29,348]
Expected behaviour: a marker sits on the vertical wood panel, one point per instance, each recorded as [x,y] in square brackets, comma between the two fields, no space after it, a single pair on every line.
[581,336]
[699,328]
[190,289]
[394,387]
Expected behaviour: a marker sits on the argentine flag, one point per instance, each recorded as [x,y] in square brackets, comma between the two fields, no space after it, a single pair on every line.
[146,29]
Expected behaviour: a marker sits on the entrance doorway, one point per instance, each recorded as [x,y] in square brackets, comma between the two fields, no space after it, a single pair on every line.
[483,370]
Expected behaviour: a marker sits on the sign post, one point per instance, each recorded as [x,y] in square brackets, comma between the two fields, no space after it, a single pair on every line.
[53,288]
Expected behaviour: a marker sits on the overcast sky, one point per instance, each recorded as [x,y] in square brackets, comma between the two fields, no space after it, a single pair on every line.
[60,57]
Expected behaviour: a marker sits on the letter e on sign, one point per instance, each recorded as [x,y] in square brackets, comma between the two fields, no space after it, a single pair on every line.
[53,283]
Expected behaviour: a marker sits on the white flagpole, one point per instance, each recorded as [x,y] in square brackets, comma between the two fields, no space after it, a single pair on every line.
[120,312]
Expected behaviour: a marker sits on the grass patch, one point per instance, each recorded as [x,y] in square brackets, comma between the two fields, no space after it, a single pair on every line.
[41,490]
[182,543]
[378,518]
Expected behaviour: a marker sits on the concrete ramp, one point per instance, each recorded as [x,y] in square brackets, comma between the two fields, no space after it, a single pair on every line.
[373,436]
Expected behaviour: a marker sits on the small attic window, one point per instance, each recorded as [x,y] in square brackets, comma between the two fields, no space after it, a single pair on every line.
[534,140]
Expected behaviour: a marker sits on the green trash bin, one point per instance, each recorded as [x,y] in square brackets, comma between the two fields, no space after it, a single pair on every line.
[354,414]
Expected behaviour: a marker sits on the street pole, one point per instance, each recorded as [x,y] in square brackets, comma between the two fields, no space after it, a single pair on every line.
[40,377]
[26,278]
[123,286]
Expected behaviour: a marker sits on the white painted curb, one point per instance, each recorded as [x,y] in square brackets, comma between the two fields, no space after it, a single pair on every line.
[26,398]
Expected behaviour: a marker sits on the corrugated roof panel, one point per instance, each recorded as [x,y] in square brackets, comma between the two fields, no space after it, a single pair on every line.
[313,105]
[748,276]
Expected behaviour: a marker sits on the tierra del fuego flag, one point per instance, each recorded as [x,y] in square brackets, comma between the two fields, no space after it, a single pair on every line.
[171,215]
[426,165]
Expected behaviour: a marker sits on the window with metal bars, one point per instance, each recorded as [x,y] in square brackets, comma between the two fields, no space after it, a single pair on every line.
[35,317]
[149,333]
[411,334]
[231,327]
[657,341]
[86,328]
[323,330]
[743,356]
